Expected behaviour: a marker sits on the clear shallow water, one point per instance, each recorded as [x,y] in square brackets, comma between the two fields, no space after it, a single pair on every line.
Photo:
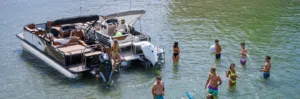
[268,27]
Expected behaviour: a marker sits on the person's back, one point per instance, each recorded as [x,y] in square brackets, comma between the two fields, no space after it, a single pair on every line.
[213,80]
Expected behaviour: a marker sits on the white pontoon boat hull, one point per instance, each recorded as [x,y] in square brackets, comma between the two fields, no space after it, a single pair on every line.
[48,60]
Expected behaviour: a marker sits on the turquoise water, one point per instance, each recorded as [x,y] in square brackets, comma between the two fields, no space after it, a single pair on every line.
[268,27]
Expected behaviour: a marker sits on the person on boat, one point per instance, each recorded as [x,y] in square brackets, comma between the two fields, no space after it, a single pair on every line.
[213,81]
[78,32]
[58,40]
[158,89]
[244,54]
[115,54]
[218,49]
[123,27]
[119,34]
[267,67]
[231,73]
[176,52]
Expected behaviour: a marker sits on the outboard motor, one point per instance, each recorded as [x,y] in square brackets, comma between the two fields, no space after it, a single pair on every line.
[150,53]
[106,66]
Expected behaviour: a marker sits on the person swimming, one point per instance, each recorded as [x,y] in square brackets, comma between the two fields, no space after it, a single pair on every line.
[218,49]
[231,73]
[214,81]
[158,89]
[176,52]
[267,67]
[243,60]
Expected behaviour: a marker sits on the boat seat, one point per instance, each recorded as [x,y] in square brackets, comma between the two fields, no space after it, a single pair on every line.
[30,28]
[74,49]
[110,31]
[125,38]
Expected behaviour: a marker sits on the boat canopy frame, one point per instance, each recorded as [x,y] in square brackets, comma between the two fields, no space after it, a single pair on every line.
[79,19]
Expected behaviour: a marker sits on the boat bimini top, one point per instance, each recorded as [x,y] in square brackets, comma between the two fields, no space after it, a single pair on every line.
[130,16]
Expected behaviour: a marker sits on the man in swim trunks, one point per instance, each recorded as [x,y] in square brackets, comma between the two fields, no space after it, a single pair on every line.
[214,80]
[158,89]
[244,54]
[266,69]
[231,73]
[218,49]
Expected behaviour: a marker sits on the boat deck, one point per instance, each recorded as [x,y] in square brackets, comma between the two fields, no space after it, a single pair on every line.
[74,49]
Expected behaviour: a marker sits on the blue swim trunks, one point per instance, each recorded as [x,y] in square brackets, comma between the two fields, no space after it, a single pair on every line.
[159,97]
[266,74]
[212,90]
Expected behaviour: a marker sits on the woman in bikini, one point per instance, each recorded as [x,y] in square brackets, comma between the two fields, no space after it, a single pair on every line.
[231,73]
[176,52]
[115,54]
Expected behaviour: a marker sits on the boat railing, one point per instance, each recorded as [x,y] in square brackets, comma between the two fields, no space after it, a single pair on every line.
[161,53]
[93,47]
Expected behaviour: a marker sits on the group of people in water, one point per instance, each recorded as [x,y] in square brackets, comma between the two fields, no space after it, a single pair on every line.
[214,80]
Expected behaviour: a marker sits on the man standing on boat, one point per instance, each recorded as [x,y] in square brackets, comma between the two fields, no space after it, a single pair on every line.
[218,49]
[158,89]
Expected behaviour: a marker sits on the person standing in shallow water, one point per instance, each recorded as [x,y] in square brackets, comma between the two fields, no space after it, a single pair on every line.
[176,52]
[158,89]
[231,73]
[267,67]
[213,81]
[244,54]
[218,49]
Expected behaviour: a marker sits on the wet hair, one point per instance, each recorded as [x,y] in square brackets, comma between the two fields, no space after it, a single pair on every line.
[175,45]
[158,78]
[268,57]
[213,68]
[243,44]
[216,41]
[231,65]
